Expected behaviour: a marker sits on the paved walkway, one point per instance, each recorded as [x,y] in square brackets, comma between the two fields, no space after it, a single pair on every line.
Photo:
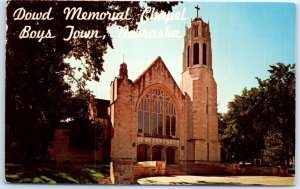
[219,180]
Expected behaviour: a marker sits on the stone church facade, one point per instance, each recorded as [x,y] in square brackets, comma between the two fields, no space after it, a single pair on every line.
[155,119]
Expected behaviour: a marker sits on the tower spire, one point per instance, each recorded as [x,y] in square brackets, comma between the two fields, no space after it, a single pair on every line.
[123,72]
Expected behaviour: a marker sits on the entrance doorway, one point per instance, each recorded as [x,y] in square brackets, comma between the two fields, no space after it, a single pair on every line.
[156,153]
[142,152]
[170,156]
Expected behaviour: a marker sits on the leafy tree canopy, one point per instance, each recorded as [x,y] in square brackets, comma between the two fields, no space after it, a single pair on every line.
[260,123]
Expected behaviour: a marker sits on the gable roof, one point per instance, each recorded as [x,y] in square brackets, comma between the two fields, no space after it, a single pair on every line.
[158,60]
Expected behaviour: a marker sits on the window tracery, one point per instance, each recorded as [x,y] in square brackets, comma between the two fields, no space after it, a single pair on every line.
[156,114]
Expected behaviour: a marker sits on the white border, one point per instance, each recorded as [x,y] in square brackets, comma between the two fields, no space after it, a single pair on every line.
[4,185]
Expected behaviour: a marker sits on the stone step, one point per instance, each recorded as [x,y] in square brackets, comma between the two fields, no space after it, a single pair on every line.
[193,169]
[174,170]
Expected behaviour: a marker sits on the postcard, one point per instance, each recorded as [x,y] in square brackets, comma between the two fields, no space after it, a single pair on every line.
[150,93]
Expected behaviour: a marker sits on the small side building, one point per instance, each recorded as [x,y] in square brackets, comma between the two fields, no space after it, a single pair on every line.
[62,150]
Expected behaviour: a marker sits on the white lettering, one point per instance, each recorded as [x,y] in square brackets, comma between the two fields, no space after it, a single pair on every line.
[27,32]
[87,34]
[154,15]
[22,14]
[78,14]
[167,32]
[72,11]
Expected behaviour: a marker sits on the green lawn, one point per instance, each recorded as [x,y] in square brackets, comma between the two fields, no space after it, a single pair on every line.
[57,173]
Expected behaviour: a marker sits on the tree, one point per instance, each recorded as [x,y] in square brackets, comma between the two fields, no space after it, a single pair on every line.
[37,95]
[85,132]
[86,136]
[242,134]
[261,115]
[280,112]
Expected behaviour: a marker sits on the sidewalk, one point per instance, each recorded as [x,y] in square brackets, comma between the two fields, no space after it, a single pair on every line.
[219,180]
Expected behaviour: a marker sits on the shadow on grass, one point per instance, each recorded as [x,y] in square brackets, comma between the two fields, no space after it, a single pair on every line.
[57,174]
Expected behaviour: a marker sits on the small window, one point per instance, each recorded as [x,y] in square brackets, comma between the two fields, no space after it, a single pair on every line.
[196,30]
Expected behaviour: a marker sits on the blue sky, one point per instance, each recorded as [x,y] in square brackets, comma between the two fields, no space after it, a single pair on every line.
[246,39]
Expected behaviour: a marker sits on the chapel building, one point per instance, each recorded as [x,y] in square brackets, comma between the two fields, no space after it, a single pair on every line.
[155,119]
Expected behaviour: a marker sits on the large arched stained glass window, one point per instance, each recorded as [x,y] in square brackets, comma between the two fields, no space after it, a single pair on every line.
[156,114]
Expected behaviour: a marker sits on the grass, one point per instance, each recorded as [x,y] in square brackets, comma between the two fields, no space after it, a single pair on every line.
[57,173]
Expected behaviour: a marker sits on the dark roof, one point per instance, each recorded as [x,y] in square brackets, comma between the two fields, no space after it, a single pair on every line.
[102,108]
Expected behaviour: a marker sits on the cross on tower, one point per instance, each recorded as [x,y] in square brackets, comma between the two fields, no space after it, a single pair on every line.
[198,9]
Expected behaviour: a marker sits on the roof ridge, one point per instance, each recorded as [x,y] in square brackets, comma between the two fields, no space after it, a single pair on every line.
[148,68]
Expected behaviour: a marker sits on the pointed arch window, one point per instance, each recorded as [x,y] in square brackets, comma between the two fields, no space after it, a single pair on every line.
[204,54]
[196,53]
[156,114]
[196,30]
[188,56]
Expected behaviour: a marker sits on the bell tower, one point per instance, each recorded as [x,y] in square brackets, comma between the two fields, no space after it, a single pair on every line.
[200,89]
[197,45]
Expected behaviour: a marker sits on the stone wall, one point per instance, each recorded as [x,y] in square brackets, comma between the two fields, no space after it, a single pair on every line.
[205,169]
[201,107]
[61,150]
[125,172]
[122,122]
[121,172]
[235,169]
[140,171]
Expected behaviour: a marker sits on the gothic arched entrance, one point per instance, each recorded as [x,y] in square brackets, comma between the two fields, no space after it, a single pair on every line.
[142,152]
[156,153]
[170,152]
